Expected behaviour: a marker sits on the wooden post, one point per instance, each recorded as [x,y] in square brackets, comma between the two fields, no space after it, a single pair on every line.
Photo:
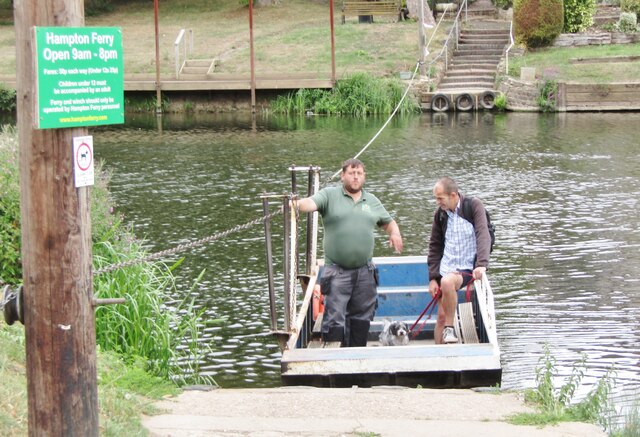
[56,250]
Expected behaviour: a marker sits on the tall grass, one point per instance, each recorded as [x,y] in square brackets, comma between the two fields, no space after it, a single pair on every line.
[557,404]
[359,95]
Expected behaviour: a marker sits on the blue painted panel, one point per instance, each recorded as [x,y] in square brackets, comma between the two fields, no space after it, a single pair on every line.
[400,275]
[402,304]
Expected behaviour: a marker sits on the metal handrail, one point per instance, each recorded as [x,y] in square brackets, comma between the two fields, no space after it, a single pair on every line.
[187,43]
[506,68]
[456,28]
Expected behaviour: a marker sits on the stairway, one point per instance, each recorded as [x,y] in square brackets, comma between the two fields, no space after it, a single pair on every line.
[197,69]
[474,64]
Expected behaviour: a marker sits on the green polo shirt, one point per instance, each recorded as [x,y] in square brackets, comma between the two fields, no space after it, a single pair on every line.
[348,226]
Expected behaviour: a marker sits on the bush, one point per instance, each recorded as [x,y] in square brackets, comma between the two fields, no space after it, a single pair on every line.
[630,6]
[628,22]
[7,99]
[537,22]
[578,15]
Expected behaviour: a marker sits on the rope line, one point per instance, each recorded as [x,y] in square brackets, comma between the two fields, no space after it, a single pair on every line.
[182,247]
[385,123]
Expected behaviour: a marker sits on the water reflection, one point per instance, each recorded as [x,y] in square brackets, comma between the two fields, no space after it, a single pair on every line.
[563,191]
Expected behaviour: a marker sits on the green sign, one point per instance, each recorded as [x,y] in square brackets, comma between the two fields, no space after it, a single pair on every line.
[80,76]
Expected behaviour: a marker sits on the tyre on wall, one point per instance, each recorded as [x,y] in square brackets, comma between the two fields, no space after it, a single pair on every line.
[440,103]
[488,100]
[464,102]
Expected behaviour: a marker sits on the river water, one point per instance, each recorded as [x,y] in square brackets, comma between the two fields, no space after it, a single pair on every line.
[563,191]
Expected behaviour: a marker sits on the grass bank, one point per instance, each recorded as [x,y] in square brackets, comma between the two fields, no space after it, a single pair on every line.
[125,391]
[586,64]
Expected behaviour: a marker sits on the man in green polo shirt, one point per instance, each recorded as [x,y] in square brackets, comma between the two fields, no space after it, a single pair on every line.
[350,215]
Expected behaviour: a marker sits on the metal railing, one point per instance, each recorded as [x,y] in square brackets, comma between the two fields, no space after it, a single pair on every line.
[451,43]
[184,38]
[506,53]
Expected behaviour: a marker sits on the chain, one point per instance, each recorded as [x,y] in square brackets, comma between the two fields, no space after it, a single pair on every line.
[182,247]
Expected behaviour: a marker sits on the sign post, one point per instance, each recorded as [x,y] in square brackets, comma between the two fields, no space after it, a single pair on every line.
[68,77]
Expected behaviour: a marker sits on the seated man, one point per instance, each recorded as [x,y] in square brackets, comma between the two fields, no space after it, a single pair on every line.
[458,252]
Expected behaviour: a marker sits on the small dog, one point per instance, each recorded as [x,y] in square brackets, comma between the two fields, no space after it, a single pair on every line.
[394,334]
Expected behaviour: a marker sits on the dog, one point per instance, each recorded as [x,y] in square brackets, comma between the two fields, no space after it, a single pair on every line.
[394,334]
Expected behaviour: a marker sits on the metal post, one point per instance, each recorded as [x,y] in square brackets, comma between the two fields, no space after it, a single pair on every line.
[333,45]
[287,267]
[294,185]
[267,235]
[252,56]
[158,86]
[421,38]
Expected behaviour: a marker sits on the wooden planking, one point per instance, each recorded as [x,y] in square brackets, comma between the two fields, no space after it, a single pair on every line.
[226,84]
[595,97]
[605,59]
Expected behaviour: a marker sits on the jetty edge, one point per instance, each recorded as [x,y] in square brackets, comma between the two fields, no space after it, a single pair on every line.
[386,411]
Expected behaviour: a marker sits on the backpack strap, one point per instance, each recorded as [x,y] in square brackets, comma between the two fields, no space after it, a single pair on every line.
[467,210]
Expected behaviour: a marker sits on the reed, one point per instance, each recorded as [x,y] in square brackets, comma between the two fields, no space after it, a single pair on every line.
[359,95]
[155,322]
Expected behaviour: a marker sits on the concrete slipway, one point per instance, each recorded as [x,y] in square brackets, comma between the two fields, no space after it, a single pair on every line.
[380,411]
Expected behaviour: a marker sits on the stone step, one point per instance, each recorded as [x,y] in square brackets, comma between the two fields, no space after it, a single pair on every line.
[471,72]
[489,39]
[473,59]
[199,62]
[466,79]
[464,86]
[480,46]
[485,31]
[194,70]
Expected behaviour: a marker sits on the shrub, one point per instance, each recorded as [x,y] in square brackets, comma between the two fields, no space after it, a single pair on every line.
[537,22]
[630,6]
[578,15]
[628,22]
[7,99]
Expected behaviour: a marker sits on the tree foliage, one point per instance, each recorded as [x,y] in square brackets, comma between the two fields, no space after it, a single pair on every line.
[537,22]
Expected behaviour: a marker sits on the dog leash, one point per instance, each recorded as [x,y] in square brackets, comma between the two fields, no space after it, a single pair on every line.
[431,305]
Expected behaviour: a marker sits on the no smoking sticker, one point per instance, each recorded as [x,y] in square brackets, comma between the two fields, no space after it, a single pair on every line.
[83,161]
